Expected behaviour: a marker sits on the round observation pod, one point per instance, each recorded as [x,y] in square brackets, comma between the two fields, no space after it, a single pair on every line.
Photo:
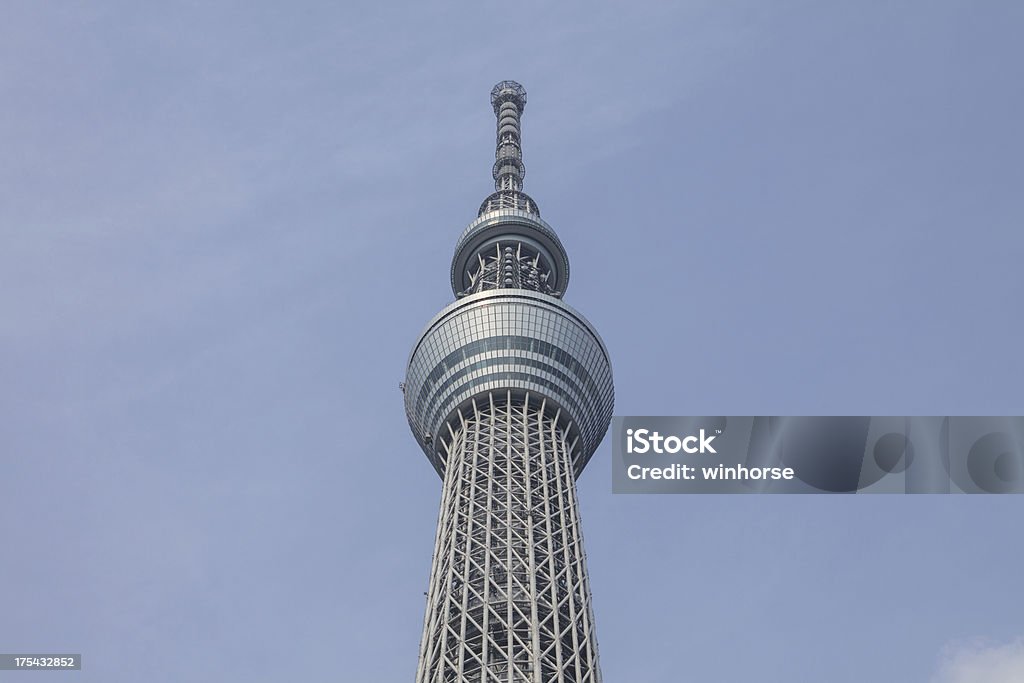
[509,340]
[504,225]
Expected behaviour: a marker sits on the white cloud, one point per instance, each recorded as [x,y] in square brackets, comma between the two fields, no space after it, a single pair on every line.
[982,662]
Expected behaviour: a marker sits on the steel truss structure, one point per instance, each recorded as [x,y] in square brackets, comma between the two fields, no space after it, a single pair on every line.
[509,599]
[509,392]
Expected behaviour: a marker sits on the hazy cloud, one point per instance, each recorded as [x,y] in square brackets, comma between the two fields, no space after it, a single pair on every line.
[982,662]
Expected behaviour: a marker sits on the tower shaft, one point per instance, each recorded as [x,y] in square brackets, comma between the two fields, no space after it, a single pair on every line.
[509,598]
[508,393]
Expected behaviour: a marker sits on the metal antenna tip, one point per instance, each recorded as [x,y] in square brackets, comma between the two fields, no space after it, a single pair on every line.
[508,91]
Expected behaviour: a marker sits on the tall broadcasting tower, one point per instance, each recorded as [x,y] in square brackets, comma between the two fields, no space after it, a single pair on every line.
[508,392]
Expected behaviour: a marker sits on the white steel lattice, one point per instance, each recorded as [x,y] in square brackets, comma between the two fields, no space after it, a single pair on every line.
[509,599]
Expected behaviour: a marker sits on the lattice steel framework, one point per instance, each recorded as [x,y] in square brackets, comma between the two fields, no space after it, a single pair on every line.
[509,392]
[509,599]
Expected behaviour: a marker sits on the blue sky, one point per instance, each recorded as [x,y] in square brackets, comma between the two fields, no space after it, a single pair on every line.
[223,226]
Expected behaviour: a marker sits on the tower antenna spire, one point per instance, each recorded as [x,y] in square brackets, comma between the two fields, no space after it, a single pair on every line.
[508,99]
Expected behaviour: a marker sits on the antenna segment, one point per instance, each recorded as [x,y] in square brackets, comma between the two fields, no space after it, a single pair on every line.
[508,99]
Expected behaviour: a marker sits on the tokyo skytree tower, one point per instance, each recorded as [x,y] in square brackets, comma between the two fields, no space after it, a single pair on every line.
[509,392]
